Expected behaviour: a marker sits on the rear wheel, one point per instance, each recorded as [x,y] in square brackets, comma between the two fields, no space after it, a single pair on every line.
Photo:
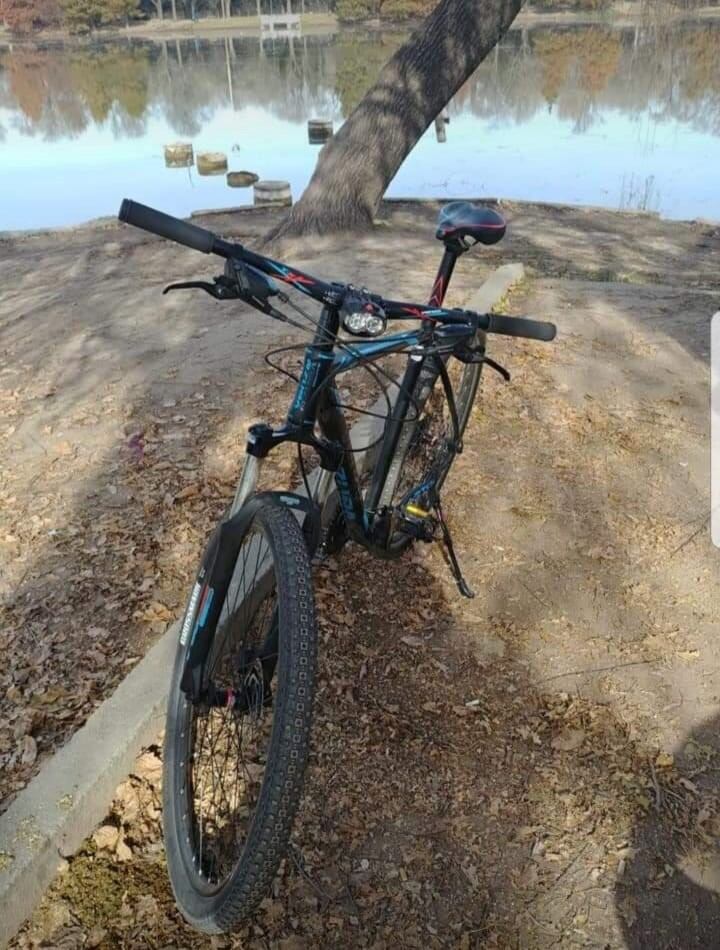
[425,449]
[234,765]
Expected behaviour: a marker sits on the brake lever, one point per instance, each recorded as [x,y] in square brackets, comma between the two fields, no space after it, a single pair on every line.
[221,289]
[476,354]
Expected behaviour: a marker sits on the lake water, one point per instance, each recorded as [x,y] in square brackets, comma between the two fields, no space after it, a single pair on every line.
[624,118]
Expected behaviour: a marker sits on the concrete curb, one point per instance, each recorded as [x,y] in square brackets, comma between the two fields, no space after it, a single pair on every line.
[70,796]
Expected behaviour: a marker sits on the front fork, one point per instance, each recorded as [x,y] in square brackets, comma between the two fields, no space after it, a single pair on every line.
[247,483]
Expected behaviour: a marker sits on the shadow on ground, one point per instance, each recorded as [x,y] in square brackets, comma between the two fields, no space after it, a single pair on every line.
[448,803]
[124,419]
[467,788]
[669,895]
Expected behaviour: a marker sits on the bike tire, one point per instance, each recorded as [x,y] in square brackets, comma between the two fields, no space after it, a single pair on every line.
[408,468]
[216,906]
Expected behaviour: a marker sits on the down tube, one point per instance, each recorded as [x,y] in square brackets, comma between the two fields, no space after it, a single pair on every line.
[334,427]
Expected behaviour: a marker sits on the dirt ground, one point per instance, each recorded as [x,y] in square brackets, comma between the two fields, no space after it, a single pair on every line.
[533,768]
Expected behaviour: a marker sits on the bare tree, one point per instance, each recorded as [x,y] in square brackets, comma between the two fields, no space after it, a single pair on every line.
[358,164]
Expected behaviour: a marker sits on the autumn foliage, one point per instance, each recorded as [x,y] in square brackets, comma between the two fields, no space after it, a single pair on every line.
[24,16]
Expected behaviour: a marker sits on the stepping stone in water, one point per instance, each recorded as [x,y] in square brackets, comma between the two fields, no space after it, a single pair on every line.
[212,163]
[178,155]
[273,193]
[241,179]
[319,131]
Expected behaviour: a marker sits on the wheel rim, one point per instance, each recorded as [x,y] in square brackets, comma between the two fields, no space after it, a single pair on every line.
[429,452]
[229,735]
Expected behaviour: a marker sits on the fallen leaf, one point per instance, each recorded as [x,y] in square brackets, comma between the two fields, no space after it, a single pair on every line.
[123,851]
[96,937]
[106,838]
[188,492]
[569,741]
[29,750]
[148,766]
[155,612]
[413,641]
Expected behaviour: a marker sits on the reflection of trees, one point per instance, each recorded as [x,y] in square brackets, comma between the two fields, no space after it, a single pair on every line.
[700,81]
[115,82]
[59,95]
[40,84]
[673,71]
[359,62]
[579,72]
[598,54]
[579,64]
[556,56]
[289,76]
[26,84]
[186,94]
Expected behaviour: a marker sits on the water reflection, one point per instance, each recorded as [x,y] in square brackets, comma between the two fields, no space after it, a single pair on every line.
[646,97]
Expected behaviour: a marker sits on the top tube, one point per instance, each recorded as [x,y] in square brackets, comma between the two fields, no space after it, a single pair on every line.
[331,294]
[320,290]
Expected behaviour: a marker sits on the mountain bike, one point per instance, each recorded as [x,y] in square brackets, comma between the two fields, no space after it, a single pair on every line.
[241,694]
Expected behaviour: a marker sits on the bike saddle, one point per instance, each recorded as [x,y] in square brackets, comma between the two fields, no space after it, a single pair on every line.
[461,220]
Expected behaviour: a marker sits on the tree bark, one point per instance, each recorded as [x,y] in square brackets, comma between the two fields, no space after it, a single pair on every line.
[356,166]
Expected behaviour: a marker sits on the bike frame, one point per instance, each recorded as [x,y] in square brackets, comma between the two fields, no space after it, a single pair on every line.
[316,400]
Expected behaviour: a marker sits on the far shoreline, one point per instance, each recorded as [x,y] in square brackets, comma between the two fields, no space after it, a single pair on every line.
[552,208]
[621,13]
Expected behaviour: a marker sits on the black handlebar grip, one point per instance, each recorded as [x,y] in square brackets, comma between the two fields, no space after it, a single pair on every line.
[519,326]
[165,225]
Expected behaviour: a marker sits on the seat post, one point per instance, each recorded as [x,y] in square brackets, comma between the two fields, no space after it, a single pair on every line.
[445,272]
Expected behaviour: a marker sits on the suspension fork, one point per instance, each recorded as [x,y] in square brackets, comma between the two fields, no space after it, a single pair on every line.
[247,483]
[318,360]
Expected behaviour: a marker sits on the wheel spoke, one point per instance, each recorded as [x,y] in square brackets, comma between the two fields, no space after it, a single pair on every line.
[230,744]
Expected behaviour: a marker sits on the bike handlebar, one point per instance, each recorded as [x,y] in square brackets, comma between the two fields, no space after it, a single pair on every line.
[519,326]
[167,226]
[200,239]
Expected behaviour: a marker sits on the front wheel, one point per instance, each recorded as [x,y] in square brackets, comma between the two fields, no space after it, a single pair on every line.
[234,763]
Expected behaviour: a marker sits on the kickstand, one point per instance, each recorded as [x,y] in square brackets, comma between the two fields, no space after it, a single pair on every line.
[452,558]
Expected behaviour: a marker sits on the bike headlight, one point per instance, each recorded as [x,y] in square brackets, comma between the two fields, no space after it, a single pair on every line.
[362,323]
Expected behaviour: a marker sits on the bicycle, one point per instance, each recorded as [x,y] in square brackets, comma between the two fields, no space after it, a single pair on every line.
[241,694]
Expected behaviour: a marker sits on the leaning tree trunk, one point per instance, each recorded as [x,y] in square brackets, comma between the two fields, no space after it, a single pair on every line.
[358,164]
